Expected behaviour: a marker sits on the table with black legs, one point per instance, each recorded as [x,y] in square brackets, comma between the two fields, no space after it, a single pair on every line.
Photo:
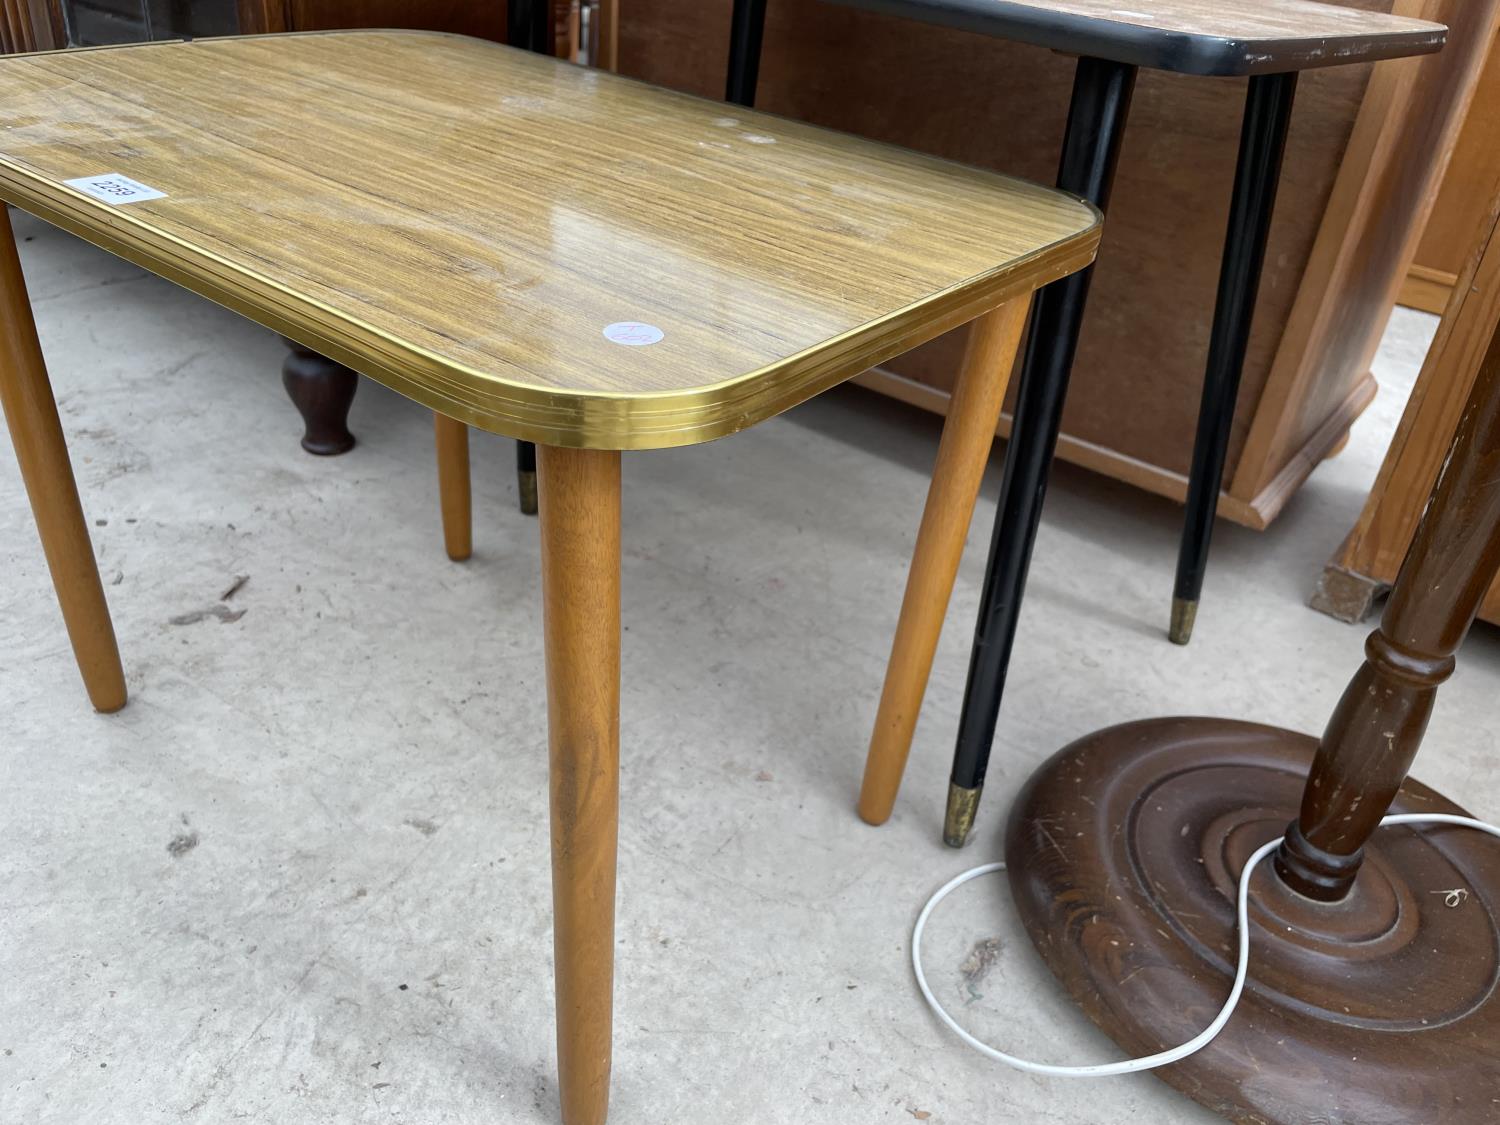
[1269,43]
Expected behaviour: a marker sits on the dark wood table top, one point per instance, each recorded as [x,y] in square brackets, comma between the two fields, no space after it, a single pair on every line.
[1211,37]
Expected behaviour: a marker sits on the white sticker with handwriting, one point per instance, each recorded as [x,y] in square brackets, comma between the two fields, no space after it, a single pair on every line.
[115,188]
[633,334]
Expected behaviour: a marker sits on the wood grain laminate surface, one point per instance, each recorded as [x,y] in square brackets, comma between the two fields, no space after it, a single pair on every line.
[463,221]
[1221,37]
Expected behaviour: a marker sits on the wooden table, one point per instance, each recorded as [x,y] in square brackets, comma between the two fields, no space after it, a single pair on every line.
[539,250]
[1269,42]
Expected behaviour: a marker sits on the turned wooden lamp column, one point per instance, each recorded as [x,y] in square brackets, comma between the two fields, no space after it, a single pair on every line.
[1374,953]
[1378,725]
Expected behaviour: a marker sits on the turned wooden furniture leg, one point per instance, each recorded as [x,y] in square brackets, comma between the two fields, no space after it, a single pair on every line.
[1452,562]
[580,533]
[452,440]
[36,433]
[968,433]
[322,391]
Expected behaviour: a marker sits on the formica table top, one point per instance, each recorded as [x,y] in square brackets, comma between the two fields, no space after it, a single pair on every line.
[535,248]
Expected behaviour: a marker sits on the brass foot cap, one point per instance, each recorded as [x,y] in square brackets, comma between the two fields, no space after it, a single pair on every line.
[526,484]
[1184,614]
[962,805]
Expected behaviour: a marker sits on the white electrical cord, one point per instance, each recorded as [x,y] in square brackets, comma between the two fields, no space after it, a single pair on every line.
[1162,1058]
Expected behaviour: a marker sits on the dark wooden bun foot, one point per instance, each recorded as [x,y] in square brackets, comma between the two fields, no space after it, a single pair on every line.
[322,391]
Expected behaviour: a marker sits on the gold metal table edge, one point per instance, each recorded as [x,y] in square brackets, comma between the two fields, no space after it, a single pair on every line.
[570,419]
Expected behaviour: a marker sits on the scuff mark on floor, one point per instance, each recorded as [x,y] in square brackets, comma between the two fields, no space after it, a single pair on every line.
[977,965]
[225,615]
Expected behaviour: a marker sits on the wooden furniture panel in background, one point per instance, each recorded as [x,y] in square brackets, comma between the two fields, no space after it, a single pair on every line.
[1405,135]
[1464,199]
[461,17]
[31,25]
[1366,564]
[486,20]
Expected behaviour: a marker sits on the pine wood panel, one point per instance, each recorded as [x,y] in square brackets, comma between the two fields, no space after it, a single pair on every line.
[1208,37]
[1371,556]
[1426,288]
[31,25]
[462,220]
[1463,199]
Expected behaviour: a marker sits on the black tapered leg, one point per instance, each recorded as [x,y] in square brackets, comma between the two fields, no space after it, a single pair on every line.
[746,29]
[1268,112]
[526,476]
[528,25]
[1091,149]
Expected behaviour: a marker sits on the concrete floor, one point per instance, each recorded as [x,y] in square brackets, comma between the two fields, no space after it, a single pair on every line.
[303,877]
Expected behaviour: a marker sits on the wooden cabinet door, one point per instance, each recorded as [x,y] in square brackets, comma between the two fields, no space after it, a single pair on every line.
[485,20]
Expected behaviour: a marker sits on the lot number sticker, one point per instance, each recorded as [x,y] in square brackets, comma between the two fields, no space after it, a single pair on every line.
[115,188]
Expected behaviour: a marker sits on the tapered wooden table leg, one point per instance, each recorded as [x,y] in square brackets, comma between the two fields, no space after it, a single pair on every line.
[580,533]
[36,433]
[968,433]
[452,440]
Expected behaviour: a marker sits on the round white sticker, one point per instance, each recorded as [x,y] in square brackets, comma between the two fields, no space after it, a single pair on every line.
[633,334]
